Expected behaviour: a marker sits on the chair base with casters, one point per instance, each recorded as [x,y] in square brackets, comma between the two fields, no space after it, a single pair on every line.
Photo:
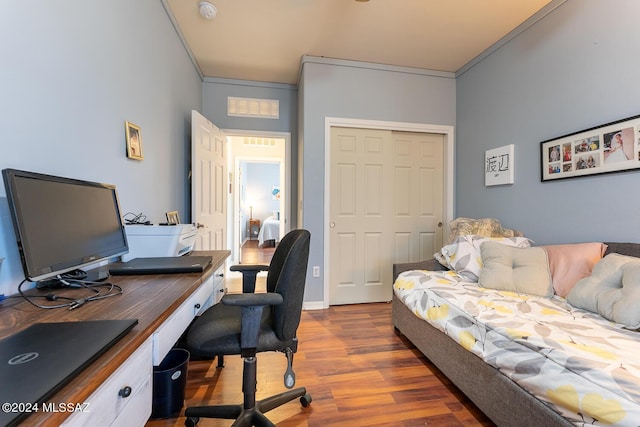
[251,412]
[250,323]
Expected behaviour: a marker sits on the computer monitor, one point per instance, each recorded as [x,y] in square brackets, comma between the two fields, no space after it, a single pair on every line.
[62,224]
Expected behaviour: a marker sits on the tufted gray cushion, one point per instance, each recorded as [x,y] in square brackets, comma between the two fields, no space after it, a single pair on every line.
[612,290]
[523,270]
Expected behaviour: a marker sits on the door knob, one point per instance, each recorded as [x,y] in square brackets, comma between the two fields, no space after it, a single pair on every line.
[198,225]
[332,224]
[440,224]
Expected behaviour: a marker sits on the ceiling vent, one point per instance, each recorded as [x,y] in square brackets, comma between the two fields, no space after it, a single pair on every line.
[260,142]
[253,107]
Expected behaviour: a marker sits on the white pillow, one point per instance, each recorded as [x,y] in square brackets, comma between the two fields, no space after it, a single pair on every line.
[463,255]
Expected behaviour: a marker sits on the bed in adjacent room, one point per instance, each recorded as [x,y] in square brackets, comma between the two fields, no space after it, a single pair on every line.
[269,232]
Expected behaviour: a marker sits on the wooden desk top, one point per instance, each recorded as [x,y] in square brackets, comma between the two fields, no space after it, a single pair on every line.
[149,298]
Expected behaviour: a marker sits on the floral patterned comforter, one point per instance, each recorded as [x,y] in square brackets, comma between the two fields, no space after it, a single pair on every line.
[583,366]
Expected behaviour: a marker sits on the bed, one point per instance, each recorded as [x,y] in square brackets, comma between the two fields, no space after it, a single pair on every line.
[269,231]
[522,359]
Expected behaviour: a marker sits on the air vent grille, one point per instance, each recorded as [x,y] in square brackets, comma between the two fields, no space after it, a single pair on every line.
[253,107]
[260,142]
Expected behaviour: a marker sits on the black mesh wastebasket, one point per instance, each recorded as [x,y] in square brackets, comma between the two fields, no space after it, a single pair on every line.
[169,382]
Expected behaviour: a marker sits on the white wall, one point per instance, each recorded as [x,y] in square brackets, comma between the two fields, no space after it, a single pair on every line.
[72,72]
[575,69]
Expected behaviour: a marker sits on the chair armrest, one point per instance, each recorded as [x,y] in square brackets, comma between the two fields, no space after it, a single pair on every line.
[252,300]
[252,307]
[249,275]
[249,267]
[431,265]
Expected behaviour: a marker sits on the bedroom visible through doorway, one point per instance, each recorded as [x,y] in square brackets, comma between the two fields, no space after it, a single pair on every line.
[259,196]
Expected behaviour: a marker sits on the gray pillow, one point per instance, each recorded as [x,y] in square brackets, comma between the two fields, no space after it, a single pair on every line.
[523,270]
[612,290]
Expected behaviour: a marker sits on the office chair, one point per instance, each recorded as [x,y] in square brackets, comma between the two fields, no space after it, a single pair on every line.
[251,323]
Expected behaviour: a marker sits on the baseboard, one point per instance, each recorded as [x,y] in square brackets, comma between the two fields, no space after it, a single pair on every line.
[313,305]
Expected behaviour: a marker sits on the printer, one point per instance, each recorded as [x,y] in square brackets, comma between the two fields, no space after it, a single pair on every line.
[147,241]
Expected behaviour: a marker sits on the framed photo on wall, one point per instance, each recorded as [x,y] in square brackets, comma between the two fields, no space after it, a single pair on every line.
[134,141]
[613,147]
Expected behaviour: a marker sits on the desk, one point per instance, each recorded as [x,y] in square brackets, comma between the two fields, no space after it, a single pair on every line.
[161,303]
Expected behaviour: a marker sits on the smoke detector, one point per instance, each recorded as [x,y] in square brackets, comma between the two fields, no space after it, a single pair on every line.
[207,10]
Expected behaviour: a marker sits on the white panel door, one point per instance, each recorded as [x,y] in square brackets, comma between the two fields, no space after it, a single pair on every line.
[386,206]
[418,195]
[208,185]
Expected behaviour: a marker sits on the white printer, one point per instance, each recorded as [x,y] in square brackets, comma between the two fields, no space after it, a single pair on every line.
[146,241]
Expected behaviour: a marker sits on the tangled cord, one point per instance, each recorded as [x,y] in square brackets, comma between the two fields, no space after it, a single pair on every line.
[131,218]
[72,303]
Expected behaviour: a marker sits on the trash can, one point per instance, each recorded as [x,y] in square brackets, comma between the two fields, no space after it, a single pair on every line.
[169,383]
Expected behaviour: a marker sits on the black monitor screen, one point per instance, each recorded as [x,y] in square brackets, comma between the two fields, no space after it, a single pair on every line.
[62,224]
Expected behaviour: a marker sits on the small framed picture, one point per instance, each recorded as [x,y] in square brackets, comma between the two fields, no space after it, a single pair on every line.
[275,192]
[173,218]
[134,141]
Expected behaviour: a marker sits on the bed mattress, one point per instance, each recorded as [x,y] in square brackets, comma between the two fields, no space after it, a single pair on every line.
[270,230]
[581,365]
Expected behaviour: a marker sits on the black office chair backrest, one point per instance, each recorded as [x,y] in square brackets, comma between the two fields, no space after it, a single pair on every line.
[287,276]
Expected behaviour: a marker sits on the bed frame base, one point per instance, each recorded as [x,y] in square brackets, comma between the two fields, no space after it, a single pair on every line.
[502,400]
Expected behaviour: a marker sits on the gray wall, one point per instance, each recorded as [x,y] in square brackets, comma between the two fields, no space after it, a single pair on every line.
[72,72]
[576,68]
[215,93]
[354,90]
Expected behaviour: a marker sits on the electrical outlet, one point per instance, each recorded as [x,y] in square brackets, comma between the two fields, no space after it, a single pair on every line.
[316,271]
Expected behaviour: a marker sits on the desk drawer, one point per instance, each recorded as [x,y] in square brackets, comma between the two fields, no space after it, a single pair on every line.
[218,284]
[106,405]
[168,333]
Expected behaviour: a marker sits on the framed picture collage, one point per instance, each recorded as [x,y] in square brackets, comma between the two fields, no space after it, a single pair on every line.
[613,147]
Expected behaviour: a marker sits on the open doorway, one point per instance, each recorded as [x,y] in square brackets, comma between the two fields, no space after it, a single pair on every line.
[260,209]
[258,194]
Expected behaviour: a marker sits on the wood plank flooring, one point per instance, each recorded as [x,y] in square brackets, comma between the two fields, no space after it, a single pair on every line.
[359,371]
[252,254]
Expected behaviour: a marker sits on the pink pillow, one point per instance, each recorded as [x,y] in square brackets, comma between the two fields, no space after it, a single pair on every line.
[570,263]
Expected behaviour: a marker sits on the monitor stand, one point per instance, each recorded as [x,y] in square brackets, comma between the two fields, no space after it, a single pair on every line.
[95,275]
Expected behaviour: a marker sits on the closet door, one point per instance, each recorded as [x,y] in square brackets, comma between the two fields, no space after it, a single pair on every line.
[386,206]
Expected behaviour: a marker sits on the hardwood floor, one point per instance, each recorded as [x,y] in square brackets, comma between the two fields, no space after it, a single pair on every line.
[357,369]
[252,254]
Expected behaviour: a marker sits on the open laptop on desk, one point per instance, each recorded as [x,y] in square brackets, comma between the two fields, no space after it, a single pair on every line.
[161,265]
[37,361]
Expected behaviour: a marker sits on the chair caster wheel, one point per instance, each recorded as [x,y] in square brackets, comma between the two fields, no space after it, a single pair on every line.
[305,400]
[191,421]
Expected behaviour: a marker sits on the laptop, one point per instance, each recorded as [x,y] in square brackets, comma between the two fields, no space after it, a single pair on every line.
[37,361]
[161,265]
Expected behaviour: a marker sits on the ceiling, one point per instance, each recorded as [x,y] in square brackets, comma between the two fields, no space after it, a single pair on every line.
[264,40]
